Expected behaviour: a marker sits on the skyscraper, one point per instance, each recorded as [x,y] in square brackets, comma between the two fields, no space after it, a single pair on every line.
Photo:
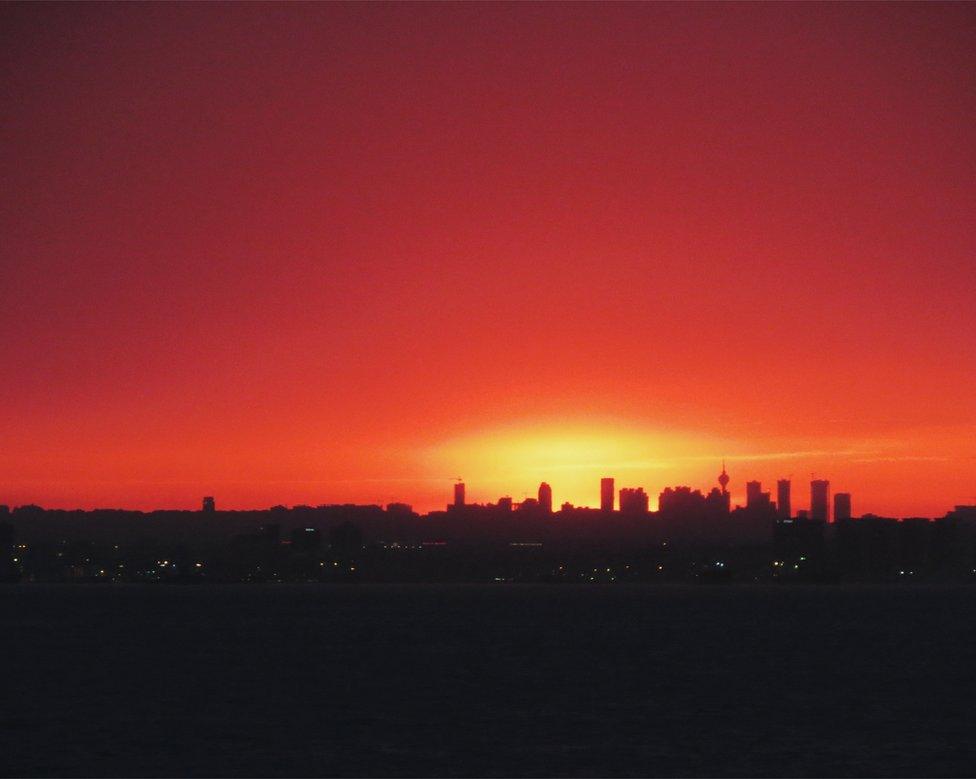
[459,494]
[756,499]
[209,505]
[842,506]
[606,494]
[783,507]
[753,494]
[820,500]
[545,498]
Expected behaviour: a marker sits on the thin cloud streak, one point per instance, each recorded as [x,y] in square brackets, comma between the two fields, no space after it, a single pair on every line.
[906,459]
[675,461]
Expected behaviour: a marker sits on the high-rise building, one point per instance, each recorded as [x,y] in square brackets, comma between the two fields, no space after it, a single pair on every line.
[820,500]
[633,501]
[606,494]
[459,494]
[783,506]
[842,506]
[209,505]
[756,499]
[753,494]
[545,498]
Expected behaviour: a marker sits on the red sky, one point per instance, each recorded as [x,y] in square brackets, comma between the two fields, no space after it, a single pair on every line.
[325,253]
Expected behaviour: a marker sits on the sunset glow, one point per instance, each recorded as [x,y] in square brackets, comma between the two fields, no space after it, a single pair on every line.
[338,253]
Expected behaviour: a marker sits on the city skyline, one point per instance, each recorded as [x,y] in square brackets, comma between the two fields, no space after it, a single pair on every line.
[815,498]
[824,505]
[572,472]
[634,499]
[488,388]
[572,479]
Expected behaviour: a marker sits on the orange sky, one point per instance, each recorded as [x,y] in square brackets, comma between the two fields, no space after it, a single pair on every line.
[326,253]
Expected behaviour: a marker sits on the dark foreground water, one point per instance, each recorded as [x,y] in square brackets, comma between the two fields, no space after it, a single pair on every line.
[488,680]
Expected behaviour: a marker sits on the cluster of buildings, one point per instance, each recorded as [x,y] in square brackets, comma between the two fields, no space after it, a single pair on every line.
[819,501]
[634,500]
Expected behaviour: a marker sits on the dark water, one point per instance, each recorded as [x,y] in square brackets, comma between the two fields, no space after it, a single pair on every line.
[482,680]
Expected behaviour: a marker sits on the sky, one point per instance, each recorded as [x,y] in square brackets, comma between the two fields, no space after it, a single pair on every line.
[324,253]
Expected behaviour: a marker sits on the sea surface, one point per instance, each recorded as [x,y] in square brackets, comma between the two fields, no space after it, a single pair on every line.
[481,680]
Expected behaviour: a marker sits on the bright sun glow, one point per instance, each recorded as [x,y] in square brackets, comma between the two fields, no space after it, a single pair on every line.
[514,460]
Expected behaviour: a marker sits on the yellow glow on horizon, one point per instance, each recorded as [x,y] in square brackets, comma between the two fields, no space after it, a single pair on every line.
[513,460]
[572,456]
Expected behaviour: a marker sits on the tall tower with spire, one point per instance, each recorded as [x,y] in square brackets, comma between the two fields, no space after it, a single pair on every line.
[723,480]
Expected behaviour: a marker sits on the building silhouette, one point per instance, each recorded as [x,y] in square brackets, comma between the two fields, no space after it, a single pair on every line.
[333,542]
[755,497]
[529,505]
[209,504]
[842,506]
[634,500]
[784,507]
[459,495]
[753,493]
[723,481]
[606,494]
[545,498]
[820,500]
